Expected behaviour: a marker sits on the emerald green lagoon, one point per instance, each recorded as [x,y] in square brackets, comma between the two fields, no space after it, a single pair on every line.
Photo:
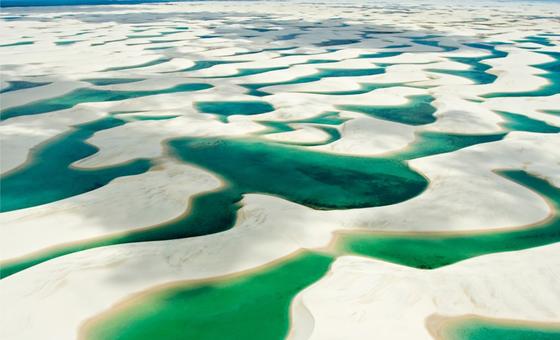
[66,42]
[418,111]
[50,165]
[318,180]
[517,122]
[429,143]
[19,43]
[21,85]
[252,306]
[479,328]
[229,108]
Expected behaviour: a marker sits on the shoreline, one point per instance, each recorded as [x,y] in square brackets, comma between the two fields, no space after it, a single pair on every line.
[441,327]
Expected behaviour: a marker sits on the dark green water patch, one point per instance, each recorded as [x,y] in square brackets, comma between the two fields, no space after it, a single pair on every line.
[417,111]
[434,250]
[479,328]
[379,55]
[432,143]
[225,109]
[552,112]
[21,85]
[318,180]
[19,43]
[209,36]
[262,30]
[399,46]
[48,176]
[88,95]
[252,306]
[433,43]
[319,61]
[543,41]
[336,42]
[66,42]
[517,122]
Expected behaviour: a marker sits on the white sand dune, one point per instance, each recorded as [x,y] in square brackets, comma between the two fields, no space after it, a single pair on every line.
[67,47]
[359,297]
[127,204]
[269,228]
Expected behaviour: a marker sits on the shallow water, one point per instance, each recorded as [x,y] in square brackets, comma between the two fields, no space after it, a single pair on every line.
[432,143]
[224,109]
[216,211]
[21,85]
[255,305]
[231,308]
[517,122]
[418,111]
[315,179]
[111,81]
[483,329]
[19,43]
[428,251]
[50,166]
